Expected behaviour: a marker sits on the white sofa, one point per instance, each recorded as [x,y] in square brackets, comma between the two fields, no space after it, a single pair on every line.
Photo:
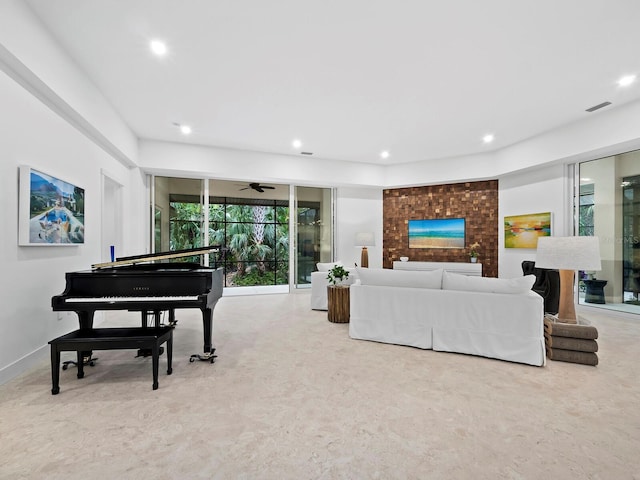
[448,312]
[319,284]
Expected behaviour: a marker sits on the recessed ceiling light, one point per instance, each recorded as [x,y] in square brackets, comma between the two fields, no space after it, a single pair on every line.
[185,129]
[488,138]
[158,47]
[296,143]
[626,80]
[384,154]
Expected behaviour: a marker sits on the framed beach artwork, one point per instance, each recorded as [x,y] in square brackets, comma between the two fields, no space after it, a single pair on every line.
[51,211]
[523,231]
[436,233]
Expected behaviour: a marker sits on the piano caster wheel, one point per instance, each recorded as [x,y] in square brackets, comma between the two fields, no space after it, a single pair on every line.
[55,391]
[207,357]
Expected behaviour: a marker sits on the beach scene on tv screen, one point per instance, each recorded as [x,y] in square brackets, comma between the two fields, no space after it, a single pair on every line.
[436,233]
[56,210]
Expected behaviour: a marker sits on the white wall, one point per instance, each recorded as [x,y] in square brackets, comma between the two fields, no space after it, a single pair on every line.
[33,135]
[182,160]
[604,133]
[34,59]
[54,120]
[544,189]
[358,210]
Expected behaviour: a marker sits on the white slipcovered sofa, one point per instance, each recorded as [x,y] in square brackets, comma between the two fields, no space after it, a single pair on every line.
[319,283]
[443,311]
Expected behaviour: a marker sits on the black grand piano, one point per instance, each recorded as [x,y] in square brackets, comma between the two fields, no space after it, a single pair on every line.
[130,284]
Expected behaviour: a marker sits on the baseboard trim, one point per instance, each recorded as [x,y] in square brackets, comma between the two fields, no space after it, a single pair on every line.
[24,364]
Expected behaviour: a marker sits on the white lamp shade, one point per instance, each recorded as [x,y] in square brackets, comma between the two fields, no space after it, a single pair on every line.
[365,239]
[569,253]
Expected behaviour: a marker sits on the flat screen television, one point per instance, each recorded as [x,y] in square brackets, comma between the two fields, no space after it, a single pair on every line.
[436,233]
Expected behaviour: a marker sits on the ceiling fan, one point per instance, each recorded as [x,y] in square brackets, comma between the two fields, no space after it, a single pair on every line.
[257,187]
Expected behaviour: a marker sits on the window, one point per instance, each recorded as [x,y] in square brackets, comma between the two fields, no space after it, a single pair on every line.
[255,236]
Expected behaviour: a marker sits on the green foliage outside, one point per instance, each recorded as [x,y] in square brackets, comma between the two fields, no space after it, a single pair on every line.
[256,238]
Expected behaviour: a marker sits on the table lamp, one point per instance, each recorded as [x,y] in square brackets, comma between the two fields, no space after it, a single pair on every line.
[568,254]
[364,240]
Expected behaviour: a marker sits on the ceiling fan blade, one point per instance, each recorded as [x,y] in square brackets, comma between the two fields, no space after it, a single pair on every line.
[267,186]
[259,189]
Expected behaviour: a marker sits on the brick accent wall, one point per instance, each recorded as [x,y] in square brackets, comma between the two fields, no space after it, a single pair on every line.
[476,202]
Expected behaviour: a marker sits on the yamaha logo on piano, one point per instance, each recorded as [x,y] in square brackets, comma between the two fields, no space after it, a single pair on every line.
[141,289]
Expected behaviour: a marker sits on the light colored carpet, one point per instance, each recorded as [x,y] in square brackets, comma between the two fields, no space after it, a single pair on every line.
[291,396]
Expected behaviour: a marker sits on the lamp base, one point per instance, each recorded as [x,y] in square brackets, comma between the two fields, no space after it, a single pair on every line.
[566,307]
[364,258]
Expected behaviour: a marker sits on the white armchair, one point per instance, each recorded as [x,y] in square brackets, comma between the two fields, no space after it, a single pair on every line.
[319,284]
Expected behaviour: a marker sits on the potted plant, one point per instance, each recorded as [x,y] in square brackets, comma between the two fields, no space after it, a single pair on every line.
[338,295]
[473,253]
[337,275]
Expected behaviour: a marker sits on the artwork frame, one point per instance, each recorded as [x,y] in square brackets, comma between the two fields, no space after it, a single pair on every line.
[51,211]
[523,231]
[445,233]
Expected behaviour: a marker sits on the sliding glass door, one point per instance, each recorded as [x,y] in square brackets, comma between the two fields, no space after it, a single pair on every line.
[609,208]
[314,231]
[250,222]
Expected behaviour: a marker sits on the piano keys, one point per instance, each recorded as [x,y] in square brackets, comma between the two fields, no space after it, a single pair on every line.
[145,288]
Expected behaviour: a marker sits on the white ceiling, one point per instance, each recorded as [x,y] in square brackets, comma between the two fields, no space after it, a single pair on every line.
[423,79]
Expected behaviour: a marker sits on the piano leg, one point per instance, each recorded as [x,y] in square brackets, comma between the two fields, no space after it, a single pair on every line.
[172,317]
[207,324]
[85,319]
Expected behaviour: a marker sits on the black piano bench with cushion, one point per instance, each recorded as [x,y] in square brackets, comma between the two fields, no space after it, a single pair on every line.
[110,339]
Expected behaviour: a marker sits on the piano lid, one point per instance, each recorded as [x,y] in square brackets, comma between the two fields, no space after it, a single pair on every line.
[121,261]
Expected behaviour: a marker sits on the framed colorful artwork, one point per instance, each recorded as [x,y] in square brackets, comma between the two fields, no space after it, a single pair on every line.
[50,210]
[523,231]
[436,233]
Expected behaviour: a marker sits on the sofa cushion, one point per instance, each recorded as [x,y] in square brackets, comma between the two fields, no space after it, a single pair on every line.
[325,267]
[400,278]
[454,281]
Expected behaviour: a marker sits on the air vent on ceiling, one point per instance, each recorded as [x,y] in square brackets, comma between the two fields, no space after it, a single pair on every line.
[598,107]
[306,153]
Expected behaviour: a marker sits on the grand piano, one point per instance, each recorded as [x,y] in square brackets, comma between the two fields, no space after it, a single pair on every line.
[131,284]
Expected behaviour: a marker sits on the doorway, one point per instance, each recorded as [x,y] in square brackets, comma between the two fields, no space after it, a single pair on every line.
[111,217]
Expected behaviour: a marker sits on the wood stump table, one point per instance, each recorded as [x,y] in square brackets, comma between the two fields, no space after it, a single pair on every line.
[338,303]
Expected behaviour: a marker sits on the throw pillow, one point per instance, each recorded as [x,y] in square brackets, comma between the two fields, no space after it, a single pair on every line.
[400,278]
[456,281]
[325,267]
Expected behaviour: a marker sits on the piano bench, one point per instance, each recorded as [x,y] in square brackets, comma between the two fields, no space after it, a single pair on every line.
[110,339]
